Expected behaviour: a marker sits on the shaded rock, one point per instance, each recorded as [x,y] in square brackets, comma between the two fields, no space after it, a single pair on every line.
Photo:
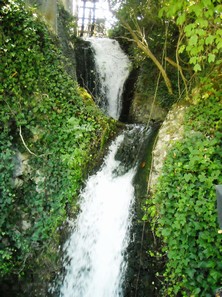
[171,130]
[143,109]
[20,167]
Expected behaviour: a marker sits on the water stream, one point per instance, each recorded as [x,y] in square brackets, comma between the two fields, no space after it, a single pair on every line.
[95,253]
[113,67]
[95,259]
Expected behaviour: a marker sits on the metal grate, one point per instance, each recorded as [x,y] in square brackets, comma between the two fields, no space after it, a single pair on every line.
[87,17]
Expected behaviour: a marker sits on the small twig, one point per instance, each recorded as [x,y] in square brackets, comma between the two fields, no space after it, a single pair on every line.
[127,38]
[180,69]
[23,263]
[20,133]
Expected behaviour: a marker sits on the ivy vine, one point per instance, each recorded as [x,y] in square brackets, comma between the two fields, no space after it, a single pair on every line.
[183,207]
[49,132]
[200,29]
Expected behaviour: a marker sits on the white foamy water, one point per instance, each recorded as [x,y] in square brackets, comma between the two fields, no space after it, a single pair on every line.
[95,258]
[113,67]
[95,263]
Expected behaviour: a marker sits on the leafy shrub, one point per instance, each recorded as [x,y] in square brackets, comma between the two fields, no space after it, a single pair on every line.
[199,23]
[184,204]
[43,115]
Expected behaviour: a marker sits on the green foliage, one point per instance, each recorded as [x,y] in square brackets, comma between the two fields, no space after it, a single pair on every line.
[143,86]
[183,208]
[154,35]
[7,196]
[47,120]
[144,16]
[200,26]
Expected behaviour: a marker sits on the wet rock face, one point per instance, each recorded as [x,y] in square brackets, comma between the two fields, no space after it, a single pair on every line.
[49,10]
[68,5]
[129,150]
[143,109]
[66,42]
[87,76]
[128,96]
[126,154]
[21,167]
[141,280]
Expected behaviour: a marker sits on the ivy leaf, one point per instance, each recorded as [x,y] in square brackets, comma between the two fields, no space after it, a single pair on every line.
[197,9]
[193,60]
[197,68]
[181,49]
[211,58]
[161,12]
[201,32]
[214,274]
[196,292]
[207,3]
[193,40]
[219,45]
[188,177]
[219,32]
[166,232]
[209,39]
[189,29]
[190,272]
[203,23]
[181,19]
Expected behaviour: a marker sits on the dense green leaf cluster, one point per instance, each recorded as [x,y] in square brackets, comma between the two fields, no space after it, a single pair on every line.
[200,27]
[49,128]
[183,208]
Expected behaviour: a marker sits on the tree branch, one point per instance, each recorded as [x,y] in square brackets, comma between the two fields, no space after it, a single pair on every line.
[138,38]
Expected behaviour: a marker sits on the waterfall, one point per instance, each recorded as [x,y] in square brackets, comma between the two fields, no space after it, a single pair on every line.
[95,253]
[113,67]
[95,257]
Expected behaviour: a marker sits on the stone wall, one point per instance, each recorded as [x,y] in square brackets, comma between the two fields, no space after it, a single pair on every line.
[49,10]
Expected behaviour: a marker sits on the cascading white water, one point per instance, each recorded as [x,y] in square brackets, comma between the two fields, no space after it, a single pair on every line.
[95,263]
[95,252]
[113,67]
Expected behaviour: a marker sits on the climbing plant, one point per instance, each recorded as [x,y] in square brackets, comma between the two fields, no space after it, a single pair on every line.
[49,130]
[183,207]
[200,29]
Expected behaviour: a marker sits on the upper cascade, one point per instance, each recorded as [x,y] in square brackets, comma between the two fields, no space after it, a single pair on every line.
[113,67]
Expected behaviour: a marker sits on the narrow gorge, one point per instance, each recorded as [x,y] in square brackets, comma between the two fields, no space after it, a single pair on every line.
[110,148]
[96,254]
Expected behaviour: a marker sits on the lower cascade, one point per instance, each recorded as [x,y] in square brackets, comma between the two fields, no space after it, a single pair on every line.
[95,254]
